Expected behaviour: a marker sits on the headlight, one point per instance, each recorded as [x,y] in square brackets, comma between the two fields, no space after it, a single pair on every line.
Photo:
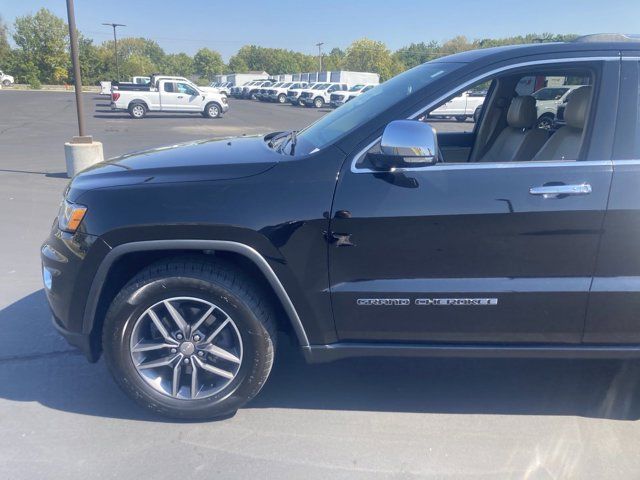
[70,216]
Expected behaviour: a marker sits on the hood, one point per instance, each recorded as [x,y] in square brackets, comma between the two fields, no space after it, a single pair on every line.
[203,160]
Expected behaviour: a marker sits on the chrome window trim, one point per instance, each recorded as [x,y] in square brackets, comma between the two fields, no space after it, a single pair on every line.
[485,165]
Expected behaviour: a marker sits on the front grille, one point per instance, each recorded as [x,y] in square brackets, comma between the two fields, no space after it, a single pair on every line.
[306,95]
[293,93]
[335,97]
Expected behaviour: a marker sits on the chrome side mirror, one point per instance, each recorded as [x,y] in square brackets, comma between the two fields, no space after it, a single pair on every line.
[407,144]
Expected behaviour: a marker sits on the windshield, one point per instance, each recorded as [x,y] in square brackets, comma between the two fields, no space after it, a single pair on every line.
[356,88]
[285,85]
[320,86]
[370,104]
[550,93]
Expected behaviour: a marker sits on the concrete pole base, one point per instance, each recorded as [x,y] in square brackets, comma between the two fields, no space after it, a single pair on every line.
[80,156]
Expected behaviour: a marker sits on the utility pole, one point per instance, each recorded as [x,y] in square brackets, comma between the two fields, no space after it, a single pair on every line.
[75,60]
[319,45]
[81,152]
[115,44]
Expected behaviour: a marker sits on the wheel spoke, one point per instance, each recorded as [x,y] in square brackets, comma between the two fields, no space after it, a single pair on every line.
[160,362]
[160,326]
[221,353]
[177,317]
[175,385]
[203,318]
[143,346]
[214,370]
[215,333]
[194,380]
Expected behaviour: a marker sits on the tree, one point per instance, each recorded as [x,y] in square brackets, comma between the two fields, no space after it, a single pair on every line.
[42,41]
[178,64]
[208,63]
[5,49]
[237,65]
[366,55]
[417,53]
[334,60]
[91,67]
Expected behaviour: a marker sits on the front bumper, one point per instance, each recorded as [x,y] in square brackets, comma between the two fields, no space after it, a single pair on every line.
[307,101]
[69,264]
[225,107]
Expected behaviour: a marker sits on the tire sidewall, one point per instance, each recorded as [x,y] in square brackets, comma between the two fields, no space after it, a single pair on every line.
[208,110]
[132,108]
[257,346]
[318,102]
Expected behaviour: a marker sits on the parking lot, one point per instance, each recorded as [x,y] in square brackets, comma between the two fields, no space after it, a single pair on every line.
[61,417]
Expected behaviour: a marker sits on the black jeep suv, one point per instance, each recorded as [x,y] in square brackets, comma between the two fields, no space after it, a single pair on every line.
[366,233]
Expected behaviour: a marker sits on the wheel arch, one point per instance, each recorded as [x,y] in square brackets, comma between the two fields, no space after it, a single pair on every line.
[102,291]
[138,100]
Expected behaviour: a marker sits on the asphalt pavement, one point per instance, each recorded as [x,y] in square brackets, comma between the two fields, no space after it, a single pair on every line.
[62,418]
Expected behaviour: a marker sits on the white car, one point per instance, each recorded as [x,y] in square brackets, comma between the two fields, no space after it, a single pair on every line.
[280,94]
[320,94]
[343,96]
[548,100]
[6,80]
[293,94]
[466,105]
[170,95]
[222,87]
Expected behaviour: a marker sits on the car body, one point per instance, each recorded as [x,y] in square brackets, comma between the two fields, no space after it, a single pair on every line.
[320,94]
[340,97]
[6,80]
[293,94]
[279,93]
[548,100]
[250,91]
[466,105]
[262,93]
[364,234]
[170,95]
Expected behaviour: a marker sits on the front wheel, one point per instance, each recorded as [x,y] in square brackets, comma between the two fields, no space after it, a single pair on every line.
[282,98]
[318,102]
[137,110]
[190,338]
[6,83]
[212,110]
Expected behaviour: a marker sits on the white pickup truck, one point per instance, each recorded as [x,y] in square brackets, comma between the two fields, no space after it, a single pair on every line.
[320,94]
[279,94]
[6,80]
[170,95]
[467,105]
[341,97]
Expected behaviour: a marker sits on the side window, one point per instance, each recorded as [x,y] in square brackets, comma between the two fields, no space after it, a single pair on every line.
[186,89]
[169,87]
[460,113]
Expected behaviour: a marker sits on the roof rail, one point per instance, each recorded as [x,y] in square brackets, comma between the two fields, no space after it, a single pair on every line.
[608,37]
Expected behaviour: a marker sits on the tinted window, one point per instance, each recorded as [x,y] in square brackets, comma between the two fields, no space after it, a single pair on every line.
[369,105]
[550,93]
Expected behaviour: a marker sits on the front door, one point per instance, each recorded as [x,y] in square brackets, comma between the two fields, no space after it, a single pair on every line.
[468,252]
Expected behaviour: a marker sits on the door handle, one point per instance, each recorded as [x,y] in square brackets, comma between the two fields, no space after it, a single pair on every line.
[180,96]
[555,191]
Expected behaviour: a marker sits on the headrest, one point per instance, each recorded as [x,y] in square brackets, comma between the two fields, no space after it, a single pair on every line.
[522,112]
[575,113]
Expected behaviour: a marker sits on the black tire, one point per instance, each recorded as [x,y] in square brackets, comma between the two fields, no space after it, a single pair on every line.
[6,83]
[217,282]
[137,110]
[318,102]
[545,122]
[282,98]
[461,118]
[212,110]
[476,115]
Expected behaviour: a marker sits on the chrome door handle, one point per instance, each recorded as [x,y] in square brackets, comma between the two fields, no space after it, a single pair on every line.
[554,191]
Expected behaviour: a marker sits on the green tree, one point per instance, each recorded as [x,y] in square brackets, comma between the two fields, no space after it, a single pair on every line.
[91,67]
[42,41]
[366,55]
[237,65]
[417,53]
[208,63]
[178,64]
[5,48]
[334,60]
[137,65]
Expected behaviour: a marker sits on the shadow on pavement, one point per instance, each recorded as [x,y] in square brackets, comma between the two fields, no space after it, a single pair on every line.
[43,369]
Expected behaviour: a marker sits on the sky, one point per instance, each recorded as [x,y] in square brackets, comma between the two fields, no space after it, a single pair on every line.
[225,26]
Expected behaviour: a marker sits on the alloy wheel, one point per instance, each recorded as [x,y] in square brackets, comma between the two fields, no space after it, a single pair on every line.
[186,348]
